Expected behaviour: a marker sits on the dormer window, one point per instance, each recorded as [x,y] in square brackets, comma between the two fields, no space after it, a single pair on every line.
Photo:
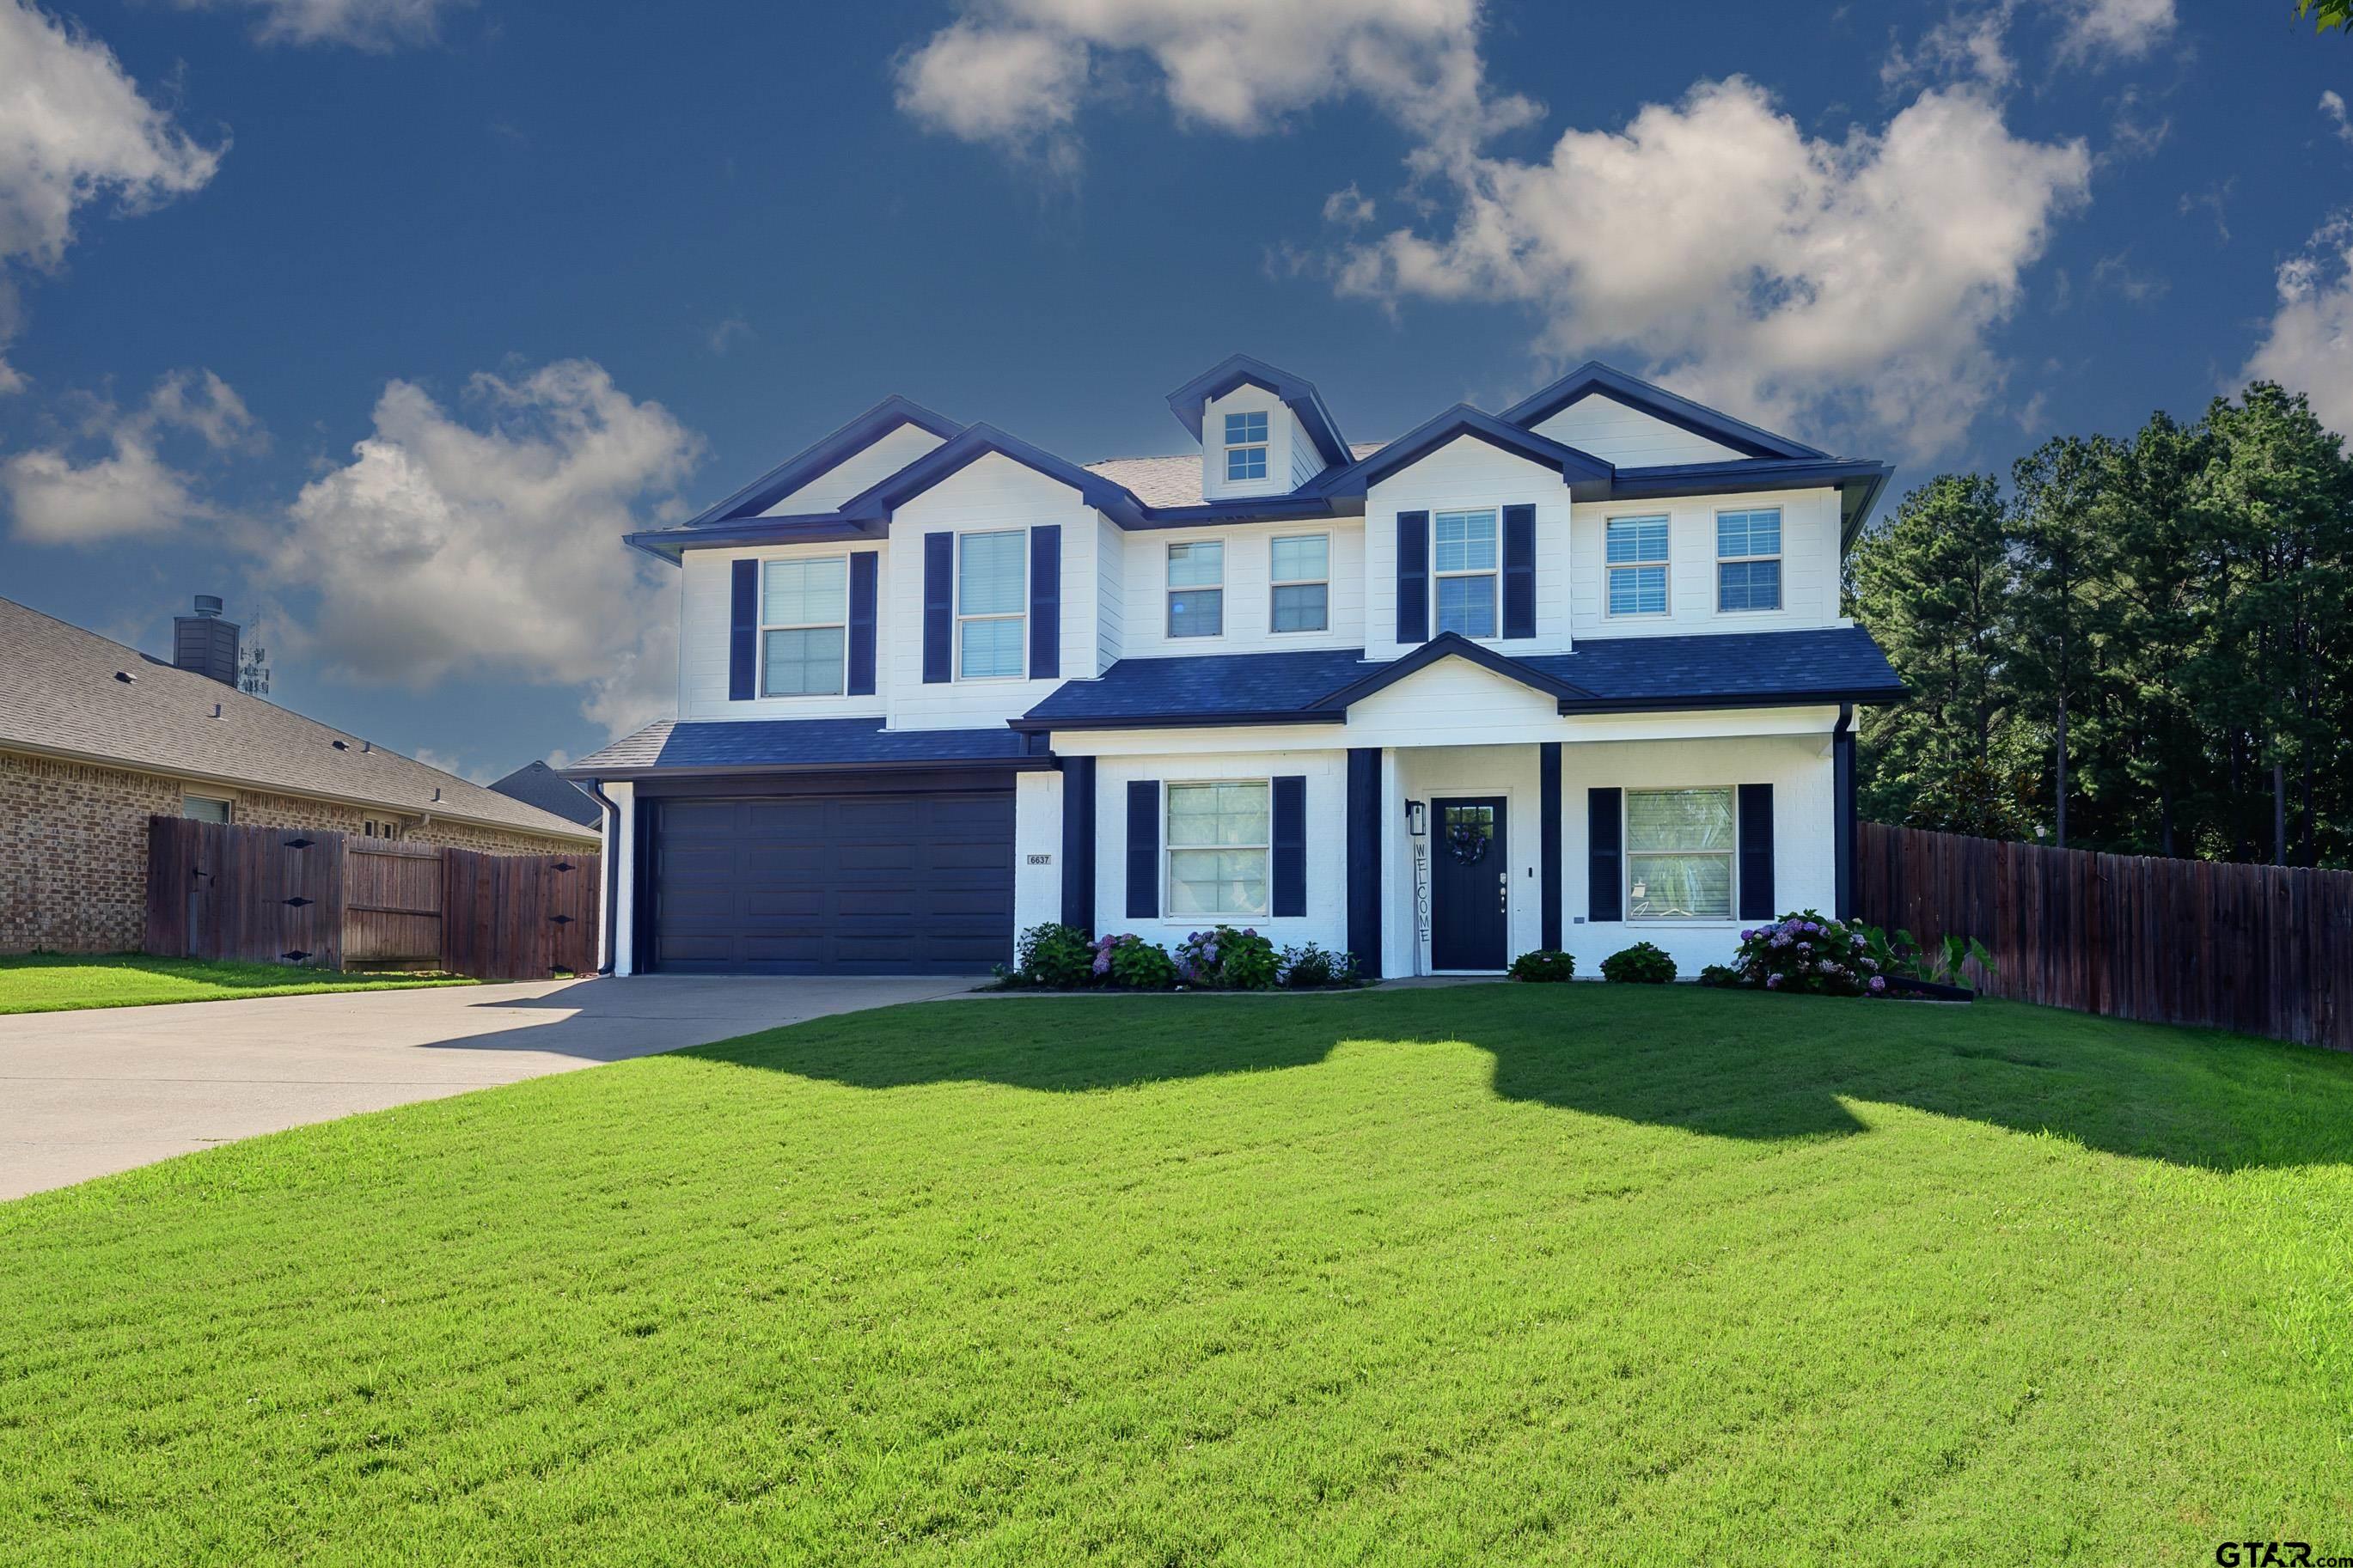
[1245,447]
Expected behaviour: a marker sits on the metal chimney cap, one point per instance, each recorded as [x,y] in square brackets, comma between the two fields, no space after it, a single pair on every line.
[209,605]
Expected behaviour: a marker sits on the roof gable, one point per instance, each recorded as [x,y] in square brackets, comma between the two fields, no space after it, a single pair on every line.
[795,473]
[1446,646]
[1297,393]
[1587,476]
[1593,378]
[979,441]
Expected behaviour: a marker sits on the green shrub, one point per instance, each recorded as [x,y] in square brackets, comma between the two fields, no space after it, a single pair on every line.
[1309,967]
[1644,963]
[1225,959]
[1720,975]
[1056,957]
[1135,965]
[1544,965]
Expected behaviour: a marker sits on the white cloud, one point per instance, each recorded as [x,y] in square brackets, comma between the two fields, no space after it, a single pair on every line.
[727,334]
[1967,46]
[74,130]
[1016,72]
[362,23]
[2098,32]
[2332,104]
[446,548]
[1348,207]
[133,491]
[2308,347]
[1779,274]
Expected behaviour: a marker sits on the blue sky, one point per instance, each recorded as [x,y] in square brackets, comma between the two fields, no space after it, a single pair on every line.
[384,318]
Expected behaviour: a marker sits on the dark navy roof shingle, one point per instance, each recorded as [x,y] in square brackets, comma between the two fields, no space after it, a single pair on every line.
[1829,664]
[796,743]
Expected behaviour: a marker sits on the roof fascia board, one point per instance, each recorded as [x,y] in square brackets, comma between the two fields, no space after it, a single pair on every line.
[1593,377]
[1036,764]
[1029,725]
[671,544]
[1444,646]
[1587,476]
[1819,698]
[823,456]
[1297,393]
[977,441]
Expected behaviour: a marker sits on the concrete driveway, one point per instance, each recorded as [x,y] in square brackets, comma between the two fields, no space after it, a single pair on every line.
[84,1093]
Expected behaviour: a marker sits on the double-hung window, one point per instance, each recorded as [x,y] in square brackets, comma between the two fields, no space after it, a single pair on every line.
[1636,549]
[1463,561]
[1679,847]
[1219,836]
[992,603]
[1197,589]
[1302,568]
[804,620]
[1748,560]
[1245,447]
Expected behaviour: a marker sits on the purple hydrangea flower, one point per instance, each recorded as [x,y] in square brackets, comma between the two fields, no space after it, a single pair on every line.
[1771,981]
[1879,982]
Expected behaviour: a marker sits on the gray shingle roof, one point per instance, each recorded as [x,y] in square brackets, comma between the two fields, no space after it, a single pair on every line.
[536,784]
[792,744]
[59,697]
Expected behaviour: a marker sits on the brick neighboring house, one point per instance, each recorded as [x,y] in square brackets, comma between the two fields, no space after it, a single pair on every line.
[95,738]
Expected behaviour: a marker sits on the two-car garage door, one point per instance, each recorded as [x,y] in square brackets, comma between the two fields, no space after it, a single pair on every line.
[918,883]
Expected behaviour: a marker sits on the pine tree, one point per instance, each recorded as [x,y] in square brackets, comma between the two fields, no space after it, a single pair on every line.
[2060,555]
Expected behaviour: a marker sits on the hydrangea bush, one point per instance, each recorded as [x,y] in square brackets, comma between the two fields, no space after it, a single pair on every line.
[1225,959]
[1309,967]
[1809,953]
[1132,963]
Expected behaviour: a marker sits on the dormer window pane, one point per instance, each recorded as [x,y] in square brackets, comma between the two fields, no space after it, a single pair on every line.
[1245,447]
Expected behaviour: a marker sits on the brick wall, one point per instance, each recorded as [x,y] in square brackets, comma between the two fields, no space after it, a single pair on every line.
[73,847]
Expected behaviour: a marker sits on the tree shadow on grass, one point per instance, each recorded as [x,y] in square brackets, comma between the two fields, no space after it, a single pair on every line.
[1725,1064]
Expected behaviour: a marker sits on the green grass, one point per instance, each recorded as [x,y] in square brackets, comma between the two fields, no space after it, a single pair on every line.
[59,983]
[1495,1274]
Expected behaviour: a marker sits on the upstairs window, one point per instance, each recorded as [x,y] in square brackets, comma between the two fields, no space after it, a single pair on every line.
[1748,560]
[1463,561]
[1197,590]
[803,624]
[1245,447]
[1219,840]
[1301,566]
[1679,854]
[992,603]
[1637,551]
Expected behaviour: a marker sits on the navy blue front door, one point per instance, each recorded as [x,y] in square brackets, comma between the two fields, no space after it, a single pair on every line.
[1470,884]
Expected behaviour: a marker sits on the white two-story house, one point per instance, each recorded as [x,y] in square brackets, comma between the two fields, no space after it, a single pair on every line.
[1569,676]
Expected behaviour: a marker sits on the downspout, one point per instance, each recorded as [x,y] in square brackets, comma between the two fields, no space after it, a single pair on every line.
[595,788]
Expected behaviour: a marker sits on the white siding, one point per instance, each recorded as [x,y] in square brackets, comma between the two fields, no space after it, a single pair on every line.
[857,474]
[619,850]
[992,494]
[1283,436]
[705,616]
[1628,438]
[1465,473]
[1111,596]
[1452,702]
[1810,566]
[1249,601]
[1036,831]
[1327,773]
[1435,773]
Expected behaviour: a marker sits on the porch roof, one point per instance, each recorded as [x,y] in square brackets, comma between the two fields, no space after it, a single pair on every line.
[1734,670]
[669,749]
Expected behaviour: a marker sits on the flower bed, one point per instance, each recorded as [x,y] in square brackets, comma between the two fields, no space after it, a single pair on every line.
[1806,953]
[1054,957]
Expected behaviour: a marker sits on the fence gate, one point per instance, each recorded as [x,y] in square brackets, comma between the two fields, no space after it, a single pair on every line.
[392,903]
[259,895]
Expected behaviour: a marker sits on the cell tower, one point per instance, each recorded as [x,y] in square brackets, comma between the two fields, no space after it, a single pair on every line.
[253,666]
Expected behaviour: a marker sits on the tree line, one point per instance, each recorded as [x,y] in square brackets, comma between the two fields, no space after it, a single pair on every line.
[2142,645]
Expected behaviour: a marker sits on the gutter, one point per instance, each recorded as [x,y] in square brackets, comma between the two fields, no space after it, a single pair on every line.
[612,854]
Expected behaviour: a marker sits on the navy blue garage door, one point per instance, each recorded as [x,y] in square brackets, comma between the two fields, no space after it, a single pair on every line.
[847,884]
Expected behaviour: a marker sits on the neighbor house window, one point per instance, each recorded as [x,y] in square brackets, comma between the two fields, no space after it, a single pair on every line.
[203,808]
[992,600]
[1218,839]
[1197,589]
[1748,560]
[1679,854]
[1464,565]
[804,618]
[1636,548]
[1245,445]
[1303,582]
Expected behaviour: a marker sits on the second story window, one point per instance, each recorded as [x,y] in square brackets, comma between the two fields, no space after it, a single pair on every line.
[1748,560]
[1245,447]
[1463,561]
[804,617]
[992,603]
[1637,551]
[1197,590]
[1302,567]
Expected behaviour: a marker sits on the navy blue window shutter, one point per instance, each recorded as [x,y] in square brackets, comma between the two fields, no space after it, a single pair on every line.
[1413,577]
[1144,849]
[1519,570]
[1548,837]
[1757,852]
[939,607]
[1044,603]
[1291,845]
[1605,840]
[743,630]
[862,623]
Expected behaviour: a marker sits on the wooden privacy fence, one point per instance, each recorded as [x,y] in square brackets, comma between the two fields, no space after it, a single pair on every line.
[328,900]
[2263,950]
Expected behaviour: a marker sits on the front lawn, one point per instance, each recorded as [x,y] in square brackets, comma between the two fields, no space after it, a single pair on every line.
[57,983]
[1493,1273]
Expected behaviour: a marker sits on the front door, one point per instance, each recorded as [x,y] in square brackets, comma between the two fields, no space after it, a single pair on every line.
[1470,885]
